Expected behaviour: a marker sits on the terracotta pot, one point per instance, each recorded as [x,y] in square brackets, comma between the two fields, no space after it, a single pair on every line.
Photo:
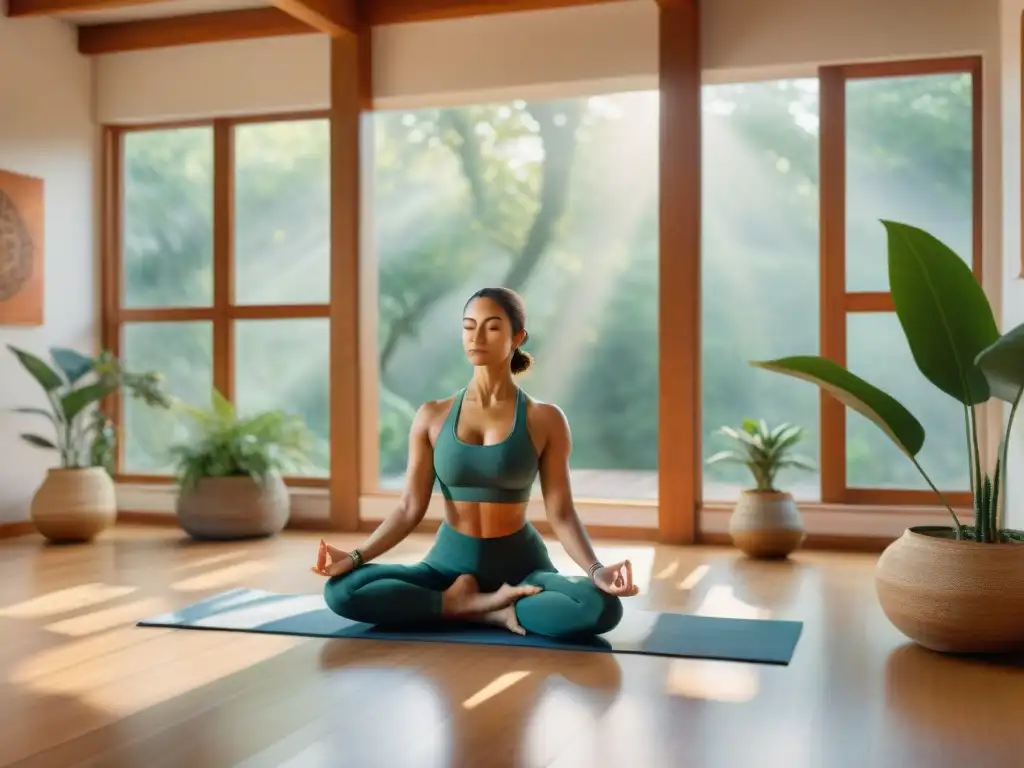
[953,596]
[74,505]
[223,508]
[766,524]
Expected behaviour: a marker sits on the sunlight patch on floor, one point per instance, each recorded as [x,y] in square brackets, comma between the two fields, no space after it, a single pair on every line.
[65,600]
[493,688]
[231,576]
[723,681]
[667,572]
[108,618]
[694,577]
[126,697]
[721,601]
[205,562]
[78,652]
[560,710]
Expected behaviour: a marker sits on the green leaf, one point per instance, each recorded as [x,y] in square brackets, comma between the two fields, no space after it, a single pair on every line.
[73,364]
[727,456]
[222,407]
[48,378]
[868,400]
[798,462]
[39,442]
[224,445]
[945,314]
[1002,363]
[77,400]
[37,412]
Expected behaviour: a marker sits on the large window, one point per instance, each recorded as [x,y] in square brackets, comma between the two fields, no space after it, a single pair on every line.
[224,266]
[759,271]
[558,200]
[796,176]
[909,157]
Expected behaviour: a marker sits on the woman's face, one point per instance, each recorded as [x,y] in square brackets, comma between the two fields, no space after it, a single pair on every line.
[486,333]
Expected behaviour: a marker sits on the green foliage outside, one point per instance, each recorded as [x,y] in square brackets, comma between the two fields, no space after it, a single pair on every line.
[558,199]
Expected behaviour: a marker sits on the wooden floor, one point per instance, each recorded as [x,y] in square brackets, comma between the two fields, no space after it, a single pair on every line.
[82,686]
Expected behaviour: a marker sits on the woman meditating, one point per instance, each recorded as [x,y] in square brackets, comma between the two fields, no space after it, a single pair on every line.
[488,564]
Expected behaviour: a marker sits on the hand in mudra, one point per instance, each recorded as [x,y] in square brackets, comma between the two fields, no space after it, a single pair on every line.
[331,561]
[616,579]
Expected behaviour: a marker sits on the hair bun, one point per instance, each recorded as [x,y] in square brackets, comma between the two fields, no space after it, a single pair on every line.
[521,361]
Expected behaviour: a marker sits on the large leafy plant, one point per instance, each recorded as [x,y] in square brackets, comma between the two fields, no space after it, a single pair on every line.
[951,329]
[226,445]
[764,451]
[75,384]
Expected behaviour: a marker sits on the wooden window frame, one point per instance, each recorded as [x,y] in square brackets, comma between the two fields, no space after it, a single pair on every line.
[836,302]
[223,312]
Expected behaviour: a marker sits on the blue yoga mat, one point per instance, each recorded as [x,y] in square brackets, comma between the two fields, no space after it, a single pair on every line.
[641,632]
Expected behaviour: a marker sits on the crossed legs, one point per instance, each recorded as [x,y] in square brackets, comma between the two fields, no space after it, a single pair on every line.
[544,603]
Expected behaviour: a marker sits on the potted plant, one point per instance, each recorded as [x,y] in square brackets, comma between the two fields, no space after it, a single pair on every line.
[76,501]
[230,472]
[959,588]
[766,522]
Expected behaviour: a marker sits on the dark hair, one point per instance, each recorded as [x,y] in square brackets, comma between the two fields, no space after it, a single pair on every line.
[511,304]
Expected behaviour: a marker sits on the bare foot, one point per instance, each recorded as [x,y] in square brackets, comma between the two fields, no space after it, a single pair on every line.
[464,598]
[503,617]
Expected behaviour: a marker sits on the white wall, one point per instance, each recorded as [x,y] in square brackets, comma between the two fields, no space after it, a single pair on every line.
[739,35]
[1013,286]
[47,130]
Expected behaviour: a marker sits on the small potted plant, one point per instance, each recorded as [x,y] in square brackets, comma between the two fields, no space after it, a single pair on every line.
[230,471]
[956,588]
[76,501]
[766,522]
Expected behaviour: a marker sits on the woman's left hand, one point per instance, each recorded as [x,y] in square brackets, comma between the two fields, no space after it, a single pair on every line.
[616,579]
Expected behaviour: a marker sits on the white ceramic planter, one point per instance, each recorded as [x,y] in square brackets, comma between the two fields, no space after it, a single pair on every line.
[766,524]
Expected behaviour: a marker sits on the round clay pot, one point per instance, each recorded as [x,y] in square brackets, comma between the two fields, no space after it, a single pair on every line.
[766,524]
[221,508]
[953,596]
[74,505]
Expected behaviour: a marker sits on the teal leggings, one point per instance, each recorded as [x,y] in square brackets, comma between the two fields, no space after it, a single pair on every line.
[397,595]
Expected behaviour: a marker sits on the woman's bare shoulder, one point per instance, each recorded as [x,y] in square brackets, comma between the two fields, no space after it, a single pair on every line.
[546,416]
[433,412]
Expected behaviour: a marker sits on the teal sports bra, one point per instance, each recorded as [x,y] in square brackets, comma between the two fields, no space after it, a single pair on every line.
[499,473]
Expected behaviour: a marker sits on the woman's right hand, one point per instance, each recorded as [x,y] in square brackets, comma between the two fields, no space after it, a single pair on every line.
[331,561]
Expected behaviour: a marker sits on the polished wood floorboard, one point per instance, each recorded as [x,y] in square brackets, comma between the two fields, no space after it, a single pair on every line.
[82,686]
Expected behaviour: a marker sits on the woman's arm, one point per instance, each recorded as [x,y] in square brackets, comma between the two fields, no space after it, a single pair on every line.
[616,579]
[557,490]
[419,484]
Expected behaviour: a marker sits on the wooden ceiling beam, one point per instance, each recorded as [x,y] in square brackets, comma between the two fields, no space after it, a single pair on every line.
[380,12]
[290,17]
[331,17]
[24,8]
[187,30]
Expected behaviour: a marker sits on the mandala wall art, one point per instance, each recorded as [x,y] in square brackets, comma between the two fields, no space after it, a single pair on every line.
[21,249]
